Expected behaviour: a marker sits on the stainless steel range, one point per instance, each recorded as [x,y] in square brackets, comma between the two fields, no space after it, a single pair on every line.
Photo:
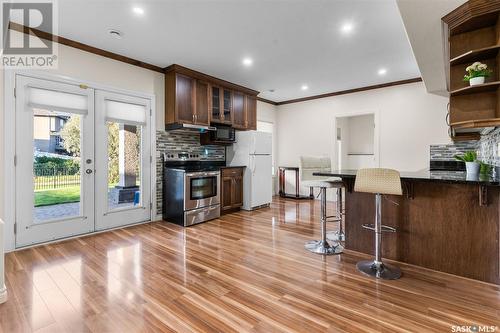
[191,192]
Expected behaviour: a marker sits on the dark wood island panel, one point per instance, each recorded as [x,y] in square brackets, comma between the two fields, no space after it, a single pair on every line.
[442,228]
[445,225]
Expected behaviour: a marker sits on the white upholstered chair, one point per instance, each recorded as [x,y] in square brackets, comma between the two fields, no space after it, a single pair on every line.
[309,165]
[379,182]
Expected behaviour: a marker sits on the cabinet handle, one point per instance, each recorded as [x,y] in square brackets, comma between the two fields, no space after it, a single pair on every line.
[193,118]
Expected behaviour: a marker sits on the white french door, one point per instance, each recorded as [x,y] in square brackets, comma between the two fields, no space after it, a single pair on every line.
[123,192]
[54,193]
[82,160]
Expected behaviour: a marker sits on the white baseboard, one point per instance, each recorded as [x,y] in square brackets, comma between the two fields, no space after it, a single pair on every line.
[3,295]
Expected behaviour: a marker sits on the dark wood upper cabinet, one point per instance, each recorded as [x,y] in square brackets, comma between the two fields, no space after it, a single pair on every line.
[184,101]
[202,102]
[251,112]
[195,98]
[239,115]
[215,105]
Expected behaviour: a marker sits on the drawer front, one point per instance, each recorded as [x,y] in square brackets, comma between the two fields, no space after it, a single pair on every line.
[232,172]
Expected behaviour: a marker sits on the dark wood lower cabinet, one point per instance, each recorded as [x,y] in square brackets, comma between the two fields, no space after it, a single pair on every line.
[231,189]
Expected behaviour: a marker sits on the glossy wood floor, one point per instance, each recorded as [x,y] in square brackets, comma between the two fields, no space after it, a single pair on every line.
[246,272]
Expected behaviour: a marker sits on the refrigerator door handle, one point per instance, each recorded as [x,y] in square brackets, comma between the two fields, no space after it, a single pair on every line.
[253,164]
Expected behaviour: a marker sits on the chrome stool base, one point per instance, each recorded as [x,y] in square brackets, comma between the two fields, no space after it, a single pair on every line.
[335,236]
[380,270]
[322,247]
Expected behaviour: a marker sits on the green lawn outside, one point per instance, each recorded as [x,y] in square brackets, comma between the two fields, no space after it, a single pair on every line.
[58,196]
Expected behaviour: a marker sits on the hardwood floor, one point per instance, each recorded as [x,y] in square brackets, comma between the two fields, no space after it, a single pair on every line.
[245,272]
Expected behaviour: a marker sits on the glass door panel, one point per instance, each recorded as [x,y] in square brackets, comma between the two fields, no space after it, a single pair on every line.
[227,105]
[216,101]
[56,165]
[124,165]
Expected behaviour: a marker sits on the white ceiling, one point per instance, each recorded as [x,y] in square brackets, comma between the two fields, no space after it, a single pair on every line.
[291,42]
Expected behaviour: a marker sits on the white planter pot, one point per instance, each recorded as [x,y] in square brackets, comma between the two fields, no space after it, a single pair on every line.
[476,80]
[472,168]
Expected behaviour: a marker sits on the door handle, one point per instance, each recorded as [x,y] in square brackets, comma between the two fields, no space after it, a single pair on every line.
[88,171]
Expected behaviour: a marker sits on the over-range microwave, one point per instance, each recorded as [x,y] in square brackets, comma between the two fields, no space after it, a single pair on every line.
[222,135]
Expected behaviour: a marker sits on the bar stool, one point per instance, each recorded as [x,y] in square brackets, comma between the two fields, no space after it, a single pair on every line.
[322,246]
[379,182]
[309,165]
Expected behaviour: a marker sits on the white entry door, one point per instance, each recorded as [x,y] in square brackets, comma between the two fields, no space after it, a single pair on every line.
[54,160]
[123,163]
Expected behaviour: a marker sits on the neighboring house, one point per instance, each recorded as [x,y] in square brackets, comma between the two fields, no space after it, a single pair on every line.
[47,131]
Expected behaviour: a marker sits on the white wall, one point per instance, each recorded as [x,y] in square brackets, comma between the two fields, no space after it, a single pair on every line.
[410,120]
[77,64]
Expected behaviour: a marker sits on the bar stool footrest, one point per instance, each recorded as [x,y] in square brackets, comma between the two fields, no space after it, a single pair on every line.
[385,228]
[333,219]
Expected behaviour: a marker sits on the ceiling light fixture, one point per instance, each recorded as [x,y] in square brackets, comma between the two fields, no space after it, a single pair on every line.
[115,33]
[347,28]
[247,62]
[382,71]
[304,87]
[138,10]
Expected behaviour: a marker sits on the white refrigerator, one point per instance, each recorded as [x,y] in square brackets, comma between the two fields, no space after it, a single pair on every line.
[253,150]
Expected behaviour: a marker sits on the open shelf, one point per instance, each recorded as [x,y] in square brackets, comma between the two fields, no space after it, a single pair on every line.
[473,55]
[480,123]
[489,86]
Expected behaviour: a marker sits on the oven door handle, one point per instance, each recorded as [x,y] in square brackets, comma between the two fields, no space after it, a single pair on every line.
[202,174]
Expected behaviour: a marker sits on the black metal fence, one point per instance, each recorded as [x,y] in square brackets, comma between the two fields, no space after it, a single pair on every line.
[45,178]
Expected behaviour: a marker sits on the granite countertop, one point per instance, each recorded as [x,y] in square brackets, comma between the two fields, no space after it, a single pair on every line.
[455,177]
[232,166]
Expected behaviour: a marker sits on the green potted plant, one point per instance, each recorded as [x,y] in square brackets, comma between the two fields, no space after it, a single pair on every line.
[476,73]
[471,162]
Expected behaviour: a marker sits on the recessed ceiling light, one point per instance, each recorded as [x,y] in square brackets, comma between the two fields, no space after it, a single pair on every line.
[271,90]
[247,62]
[138,10]
[382,71]
[347,28]
[304,87]
[115,33]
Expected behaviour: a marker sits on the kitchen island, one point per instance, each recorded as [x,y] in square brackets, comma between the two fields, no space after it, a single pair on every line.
[445,221]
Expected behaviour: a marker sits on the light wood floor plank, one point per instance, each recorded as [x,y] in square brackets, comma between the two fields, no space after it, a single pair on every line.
[244,272]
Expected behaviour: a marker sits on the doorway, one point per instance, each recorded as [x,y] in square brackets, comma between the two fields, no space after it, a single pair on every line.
[356,142]
[82,160]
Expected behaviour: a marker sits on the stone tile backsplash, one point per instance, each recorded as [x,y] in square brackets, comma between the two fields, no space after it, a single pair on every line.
[181,142]
[486,148]
[445,152]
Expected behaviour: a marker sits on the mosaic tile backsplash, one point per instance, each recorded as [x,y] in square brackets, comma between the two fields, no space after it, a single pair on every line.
[486,148]
[182,142]
[445,152]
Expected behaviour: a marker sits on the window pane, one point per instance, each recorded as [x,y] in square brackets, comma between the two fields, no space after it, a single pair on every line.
[56,165]
[124,165]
